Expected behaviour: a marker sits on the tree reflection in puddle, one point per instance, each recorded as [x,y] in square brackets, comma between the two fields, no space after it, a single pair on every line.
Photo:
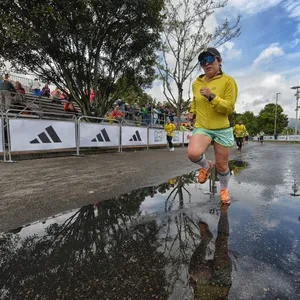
[111,251]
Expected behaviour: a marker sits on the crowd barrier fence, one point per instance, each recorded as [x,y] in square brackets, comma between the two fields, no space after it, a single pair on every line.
[30,134]
[288,138]
[2,141]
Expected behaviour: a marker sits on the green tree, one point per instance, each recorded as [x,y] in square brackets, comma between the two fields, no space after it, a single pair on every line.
[130,90]
[80,45]
[184,37]
[266,119]
[233,118]
[288,131]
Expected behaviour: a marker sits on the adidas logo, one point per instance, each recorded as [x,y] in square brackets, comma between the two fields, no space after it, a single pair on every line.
[101,137]
[52,137]
[136,137]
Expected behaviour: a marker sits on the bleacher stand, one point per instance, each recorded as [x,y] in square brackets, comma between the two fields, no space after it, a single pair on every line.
[28,104]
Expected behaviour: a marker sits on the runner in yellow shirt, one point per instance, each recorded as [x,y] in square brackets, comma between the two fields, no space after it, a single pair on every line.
[214,99]
[240,131]
[169,128]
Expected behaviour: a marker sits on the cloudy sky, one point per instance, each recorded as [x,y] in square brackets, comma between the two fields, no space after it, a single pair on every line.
[265,59]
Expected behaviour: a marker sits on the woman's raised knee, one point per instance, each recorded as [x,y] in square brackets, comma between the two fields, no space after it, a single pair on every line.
[194,154]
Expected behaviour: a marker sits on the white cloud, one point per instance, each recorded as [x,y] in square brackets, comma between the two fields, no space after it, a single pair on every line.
[252,7]
[293,8]
[229,52]
[258,87]
[293,43]
[271,81]
[268,54]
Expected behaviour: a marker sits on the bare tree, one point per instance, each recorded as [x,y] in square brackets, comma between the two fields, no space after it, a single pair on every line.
[184,36]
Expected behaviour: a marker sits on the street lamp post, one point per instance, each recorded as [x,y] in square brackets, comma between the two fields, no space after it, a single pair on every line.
[276,115]
[297,107]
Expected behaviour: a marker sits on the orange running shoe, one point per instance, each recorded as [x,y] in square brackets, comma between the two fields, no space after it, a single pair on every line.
[225,198]
[205,173]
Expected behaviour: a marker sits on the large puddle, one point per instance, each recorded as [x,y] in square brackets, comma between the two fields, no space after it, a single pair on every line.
[172,241]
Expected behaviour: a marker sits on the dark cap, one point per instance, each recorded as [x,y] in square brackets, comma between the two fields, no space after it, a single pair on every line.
[209,51]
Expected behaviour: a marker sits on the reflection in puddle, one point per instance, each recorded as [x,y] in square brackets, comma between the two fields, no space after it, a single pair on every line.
[295,190]
[237,165]
[162,242]
[211,278]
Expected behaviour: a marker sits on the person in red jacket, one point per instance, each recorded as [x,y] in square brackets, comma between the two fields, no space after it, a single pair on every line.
[117,114]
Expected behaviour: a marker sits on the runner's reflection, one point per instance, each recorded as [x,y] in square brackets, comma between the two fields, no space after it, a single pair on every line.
[211,279]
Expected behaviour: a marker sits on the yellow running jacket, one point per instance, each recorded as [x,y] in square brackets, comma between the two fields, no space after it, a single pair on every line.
[214,114]
[169,128]
[239,130]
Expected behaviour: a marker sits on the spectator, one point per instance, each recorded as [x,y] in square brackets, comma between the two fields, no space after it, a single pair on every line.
[154,114]
[149,117]
[46,91]
[171,115]
[69,106]
[56,96]
[144,113]
[121,104]
[63,96]
[20,91]
[19,88]
[129,110]
[136,111]
[36,87]
[19,101]
[161,115]
[6,89]
[117,114]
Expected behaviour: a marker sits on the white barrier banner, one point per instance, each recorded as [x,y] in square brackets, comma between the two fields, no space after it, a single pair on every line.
[27,135]
[294,137]
[186,136]
[132,135]
[269,137]
[157,137]
[99,135]
[282,138]
[1,136]
[178,137]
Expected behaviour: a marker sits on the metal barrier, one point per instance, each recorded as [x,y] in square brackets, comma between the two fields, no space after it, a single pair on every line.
[32,133]
[101,136]
[288,138]
[56,134]
[2,136]
[160,120]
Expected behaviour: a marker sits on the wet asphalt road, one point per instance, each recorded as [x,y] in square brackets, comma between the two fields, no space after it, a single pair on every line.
[168,240]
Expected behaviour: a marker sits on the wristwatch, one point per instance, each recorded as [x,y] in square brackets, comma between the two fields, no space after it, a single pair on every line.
[211,97]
